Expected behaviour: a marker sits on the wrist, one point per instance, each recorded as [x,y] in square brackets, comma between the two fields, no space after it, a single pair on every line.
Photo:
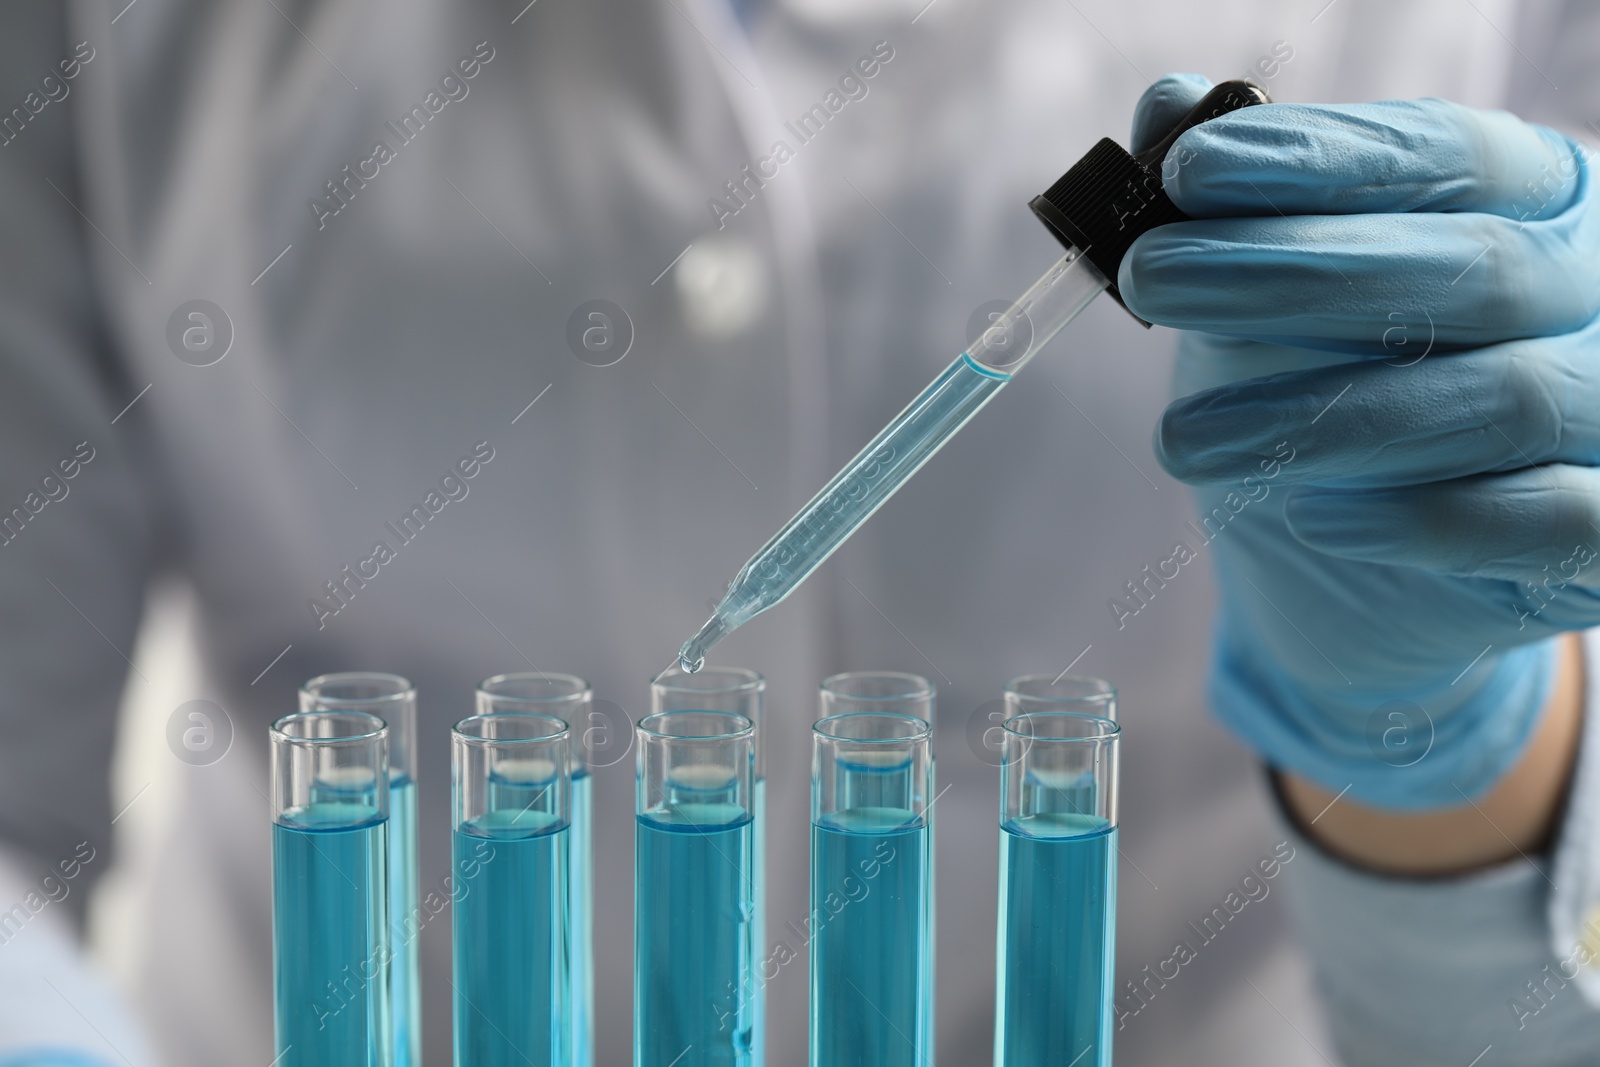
[1516,817]
[1421,746]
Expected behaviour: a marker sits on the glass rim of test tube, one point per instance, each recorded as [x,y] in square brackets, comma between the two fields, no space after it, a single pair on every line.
[1061,735]
[739,690]
[652,725]
[875,691]
[673,741]
[868,741]
[479,729]
[391,697]
[537,691]
[522,736]
[332,730]
[913,727]
[1074,693]
[728,680]
[874,716]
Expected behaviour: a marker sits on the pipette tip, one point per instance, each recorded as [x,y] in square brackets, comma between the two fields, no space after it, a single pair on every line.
[692,656]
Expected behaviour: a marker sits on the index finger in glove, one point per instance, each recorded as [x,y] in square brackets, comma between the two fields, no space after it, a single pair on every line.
[1393,156]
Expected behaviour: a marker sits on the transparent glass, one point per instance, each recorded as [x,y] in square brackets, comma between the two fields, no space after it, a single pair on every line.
[1060,692]
[877,691]
[510,780]
[742,692]
[330,894]
[872,916]
[1058,886]
[900,449]
[569,698]
[694,890]
[394,700]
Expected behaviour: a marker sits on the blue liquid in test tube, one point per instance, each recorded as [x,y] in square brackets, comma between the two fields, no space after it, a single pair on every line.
[580,915]
[1058,880]
[569,698]
[743,692]
[394,700]
[694,891]
[510,848]
[871,923]
[331,995]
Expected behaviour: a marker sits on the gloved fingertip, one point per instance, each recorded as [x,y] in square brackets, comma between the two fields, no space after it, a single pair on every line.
[1354,524]
[1127,283]
[1163,104]
[1176,448]
[1155,274]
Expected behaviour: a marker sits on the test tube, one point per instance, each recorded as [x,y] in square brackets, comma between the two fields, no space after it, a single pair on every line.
[394,700]
[1058,876]
[694,891]
[871,923]
[510,778]
[569,698]
[743,692]
[330,894]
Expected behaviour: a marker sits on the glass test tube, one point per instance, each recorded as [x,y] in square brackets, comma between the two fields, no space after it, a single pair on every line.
[569,698]
[330,893]
[694,891]
[872,902]
[394,700]
[1058,876]
[743,692]
[510,779]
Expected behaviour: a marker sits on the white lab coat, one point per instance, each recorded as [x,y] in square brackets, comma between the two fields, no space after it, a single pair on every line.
[374,346]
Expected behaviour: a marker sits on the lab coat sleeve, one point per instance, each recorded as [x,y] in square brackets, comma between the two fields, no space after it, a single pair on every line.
[54,1008]
[75,513]
[1424,972]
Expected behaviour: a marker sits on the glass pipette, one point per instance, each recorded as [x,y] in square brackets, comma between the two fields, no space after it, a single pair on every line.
[1096,210]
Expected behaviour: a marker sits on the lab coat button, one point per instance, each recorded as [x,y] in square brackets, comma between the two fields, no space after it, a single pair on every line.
[722,286]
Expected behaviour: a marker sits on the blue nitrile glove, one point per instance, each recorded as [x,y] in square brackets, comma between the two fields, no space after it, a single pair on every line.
[1394,360]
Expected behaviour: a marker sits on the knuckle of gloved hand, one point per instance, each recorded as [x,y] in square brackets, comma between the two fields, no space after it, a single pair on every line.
[1462,529]
[1525,522]
[1523,386]
[1505,300]
[1578,509]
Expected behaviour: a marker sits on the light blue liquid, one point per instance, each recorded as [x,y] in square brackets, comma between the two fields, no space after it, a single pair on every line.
[1057,944]
[758,1004]
[512,796]
[405,1010]
[330,922]
[580,909]
[694,912]
[871,939]
[849,499]
[512,984]
[405,921]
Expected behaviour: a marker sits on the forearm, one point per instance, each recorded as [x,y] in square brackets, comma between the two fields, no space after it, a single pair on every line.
[1517,817]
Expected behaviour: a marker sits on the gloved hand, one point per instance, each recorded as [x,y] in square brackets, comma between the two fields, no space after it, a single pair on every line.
[1394,359]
